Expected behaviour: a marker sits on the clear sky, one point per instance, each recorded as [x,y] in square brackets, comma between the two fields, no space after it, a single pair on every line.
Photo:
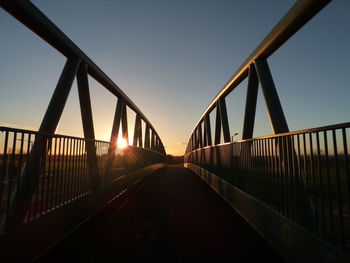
[172,57]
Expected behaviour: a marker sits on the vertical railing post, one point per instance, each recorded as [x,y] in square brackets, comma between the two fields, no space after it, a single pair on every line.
[88,124]
[29,179]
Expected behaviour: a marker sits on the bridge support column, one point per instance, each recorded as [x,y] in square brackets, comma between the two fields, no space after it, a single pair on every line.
[224,120]
[147,139]
[250,106]
[208,130]
[125,124]
[88,124]
[114,138]
[200,137]
[217,125]
[221,121]
[21,200]
[152,140]
[303,208]
[137,131]
[274,107]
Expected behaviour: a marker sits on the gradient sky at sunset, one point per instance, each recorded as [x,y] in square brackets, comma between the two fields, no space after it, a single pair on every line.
[172,57]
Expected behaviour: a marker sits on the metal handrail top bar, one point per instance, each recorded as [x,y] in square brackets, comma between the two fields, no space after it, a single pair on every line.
[312,130]
[299,14]
[27,13]
[9,129]
[3,129]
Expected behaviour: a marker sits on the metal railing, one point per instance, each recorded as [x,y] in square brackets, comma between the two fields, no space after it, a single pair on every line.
[60,159]
[65,173]
[303,175]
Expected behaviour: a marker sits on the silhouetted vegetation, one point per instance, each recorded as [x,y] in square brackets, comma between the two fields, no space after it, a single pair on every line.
[170,159]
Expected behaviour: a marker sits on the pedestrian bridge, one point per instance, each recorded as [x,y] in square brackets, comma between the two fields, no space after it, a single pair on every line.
[284,197]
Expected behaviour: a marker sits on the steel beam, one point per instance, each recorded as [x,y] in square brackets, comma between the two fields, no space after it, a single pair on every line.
[114,138]
[125,124]
[140,133]
[116,124]
[157,144]
[205,136]
[277,119]
[250,106]
[88,124]
[217,125]
[200,137]
[29,179]
[224,120]
[147,138]
[152,140]
[59,98]
[208,130]
[85,102]
[192,142]
[300,13]
[137,141]
[137,126]
[27,13]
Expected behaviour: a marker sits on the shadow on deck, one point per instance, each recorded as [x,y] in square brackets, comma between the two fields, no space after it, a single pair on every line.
[171,216]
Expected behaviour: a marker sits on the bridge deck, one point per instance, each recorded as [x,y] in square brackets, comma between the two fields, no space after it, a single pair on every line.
[171,216]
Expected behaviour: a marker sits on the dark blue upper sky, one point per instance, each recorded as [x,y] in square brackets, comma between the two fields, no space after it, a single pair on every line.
[172,57]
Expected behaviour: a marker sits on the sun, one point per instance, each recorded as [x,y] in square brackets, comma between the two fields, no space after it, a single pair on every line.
[122,143]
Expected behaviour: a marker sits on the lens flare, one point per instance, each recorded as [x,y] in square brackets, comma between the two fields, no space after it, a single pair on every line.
[122,143]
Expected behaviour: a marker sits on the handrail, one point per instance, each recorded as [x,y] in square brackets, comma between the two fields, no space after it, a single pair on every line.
[34,19]
[10,129]
[344,125]
[65,173]
[300,13]
[302,176]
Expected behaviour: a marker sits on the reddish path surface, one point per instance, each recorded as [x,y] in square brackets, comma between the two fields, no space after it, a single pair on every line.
[171,216]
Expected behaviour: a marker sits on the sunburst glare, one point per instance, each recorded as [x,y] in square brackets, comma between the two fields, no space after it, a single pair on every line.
[122,143]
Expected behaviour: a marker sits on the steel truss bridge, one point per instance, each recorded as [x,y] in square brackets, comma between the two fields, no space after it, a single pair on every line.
[290,191]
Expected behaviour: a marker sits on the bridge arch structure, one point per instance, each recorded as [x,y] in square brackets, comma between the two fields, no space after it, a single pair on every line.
[292,187]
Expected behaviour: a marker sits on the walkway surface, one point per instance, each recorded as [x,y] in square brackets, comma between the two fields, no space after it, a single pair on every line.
[171,216]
